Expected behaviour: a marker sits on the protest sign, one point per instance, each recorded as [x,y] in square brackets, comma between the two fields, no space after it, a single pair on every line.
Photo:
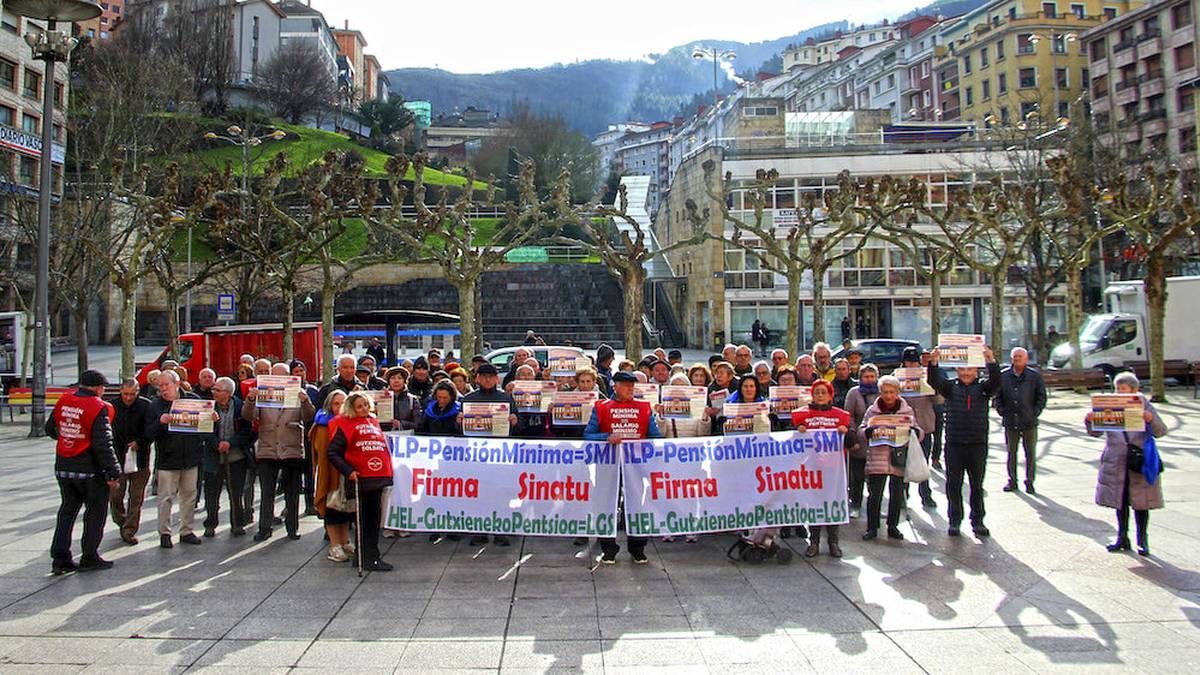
[191,416]
[715,484]
[485,419]
[384,410]
[1118,412]
[572,408]
[683,403]
[784,399]
[747,418]
[564,362]
[913,382]
[717,398]
[646,391]
[533,396]
[503,486]
[277,391]
[956,350]
[890,430]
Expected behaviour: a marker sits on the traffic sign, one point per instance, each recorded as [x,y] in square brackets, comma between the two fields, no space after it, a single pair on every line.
[226,307]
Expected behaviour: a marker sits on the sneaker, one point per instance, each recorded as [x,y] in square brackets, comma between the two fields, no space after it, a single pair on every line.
[190,538]
[501,540]
[639,557]
[165,541]
[1011,487]
[262,535]
[61,567]
[378,566]
[895,533]
[336,554]
[97,563]
[607,558]
[1119,545]
[210,532]
[293,536]
[349,548]
[937,464]
[855,512]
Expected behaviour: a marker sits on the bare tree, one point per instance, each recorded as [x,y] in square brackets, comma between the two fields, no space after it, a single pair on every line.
[295,81]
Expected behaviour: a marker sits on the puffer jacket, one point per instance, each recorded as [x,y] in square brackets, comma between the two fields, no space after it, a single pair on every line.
[857,404]
[966,405]
[879,456]
[1110,484]
[280,430]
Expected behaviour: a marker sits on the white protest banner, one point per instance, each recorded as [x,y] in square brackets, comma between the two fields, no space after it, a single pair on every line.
[912,382]
[503,486]
[784,398]
[573,408]
[485,419]
[277,391]
[720,483]
[890,430]
[956,350]
[562,362]
[683,403]
[384,410]
[1118,412]
[533,396]
[746,418]
[191,416]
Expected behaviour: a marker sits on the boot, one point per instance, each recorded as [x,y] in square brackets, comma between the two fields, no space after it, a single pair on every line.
[835,550]
[814,543]
[1143,535]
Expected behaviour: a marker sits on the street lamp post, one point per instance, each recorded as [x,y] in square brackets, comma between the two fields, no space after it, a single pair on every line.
[50,46]
[717,55]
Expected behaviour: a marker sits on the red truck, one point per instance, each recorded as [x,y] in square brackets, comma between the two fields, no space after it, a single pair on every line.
[220,347]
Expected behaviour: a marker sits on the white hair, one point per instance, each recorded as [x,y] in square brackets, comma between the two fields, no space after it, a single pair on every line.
[1127,378]
[226,383]
[889,381]
[280,369]
[819,346]
[347,357]
[1018,350]
[679,379]
[168,375]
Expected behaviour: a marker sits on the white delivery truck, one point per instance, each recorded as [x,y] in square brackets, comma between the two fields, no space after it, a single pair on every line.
[12,346]
[1112,340]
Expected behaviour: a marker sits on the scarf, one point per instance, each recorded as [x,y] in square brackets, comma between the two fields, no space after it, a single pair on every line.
[868,388]
[432,413]
[323,418]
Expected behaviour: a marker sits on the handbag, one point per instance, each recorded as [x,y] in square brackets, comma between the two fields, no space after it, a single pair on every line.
[1136,458]
[916,468]
[339,500]
[896,455]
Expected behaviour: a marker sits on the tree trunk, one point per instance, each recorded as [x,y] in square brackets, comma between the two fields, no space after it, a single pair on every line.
[478,346]
[1075,313]
[1039,306]
[1156,303]
[633,279]
[79,317]
[327,363]
[935,306]
[173,325]
[795,329]
[467,290]
[128,326]
[996,340]
[818,302]
[288,291]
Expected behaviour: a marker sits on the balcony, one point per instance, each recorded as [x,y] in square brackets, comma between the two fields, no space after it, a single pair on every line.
[1154,127]
[1101,105]
[1180,37]
[1155,114]
[1151,84]
[1149,46]
[1131,134]
[1124,57]
[1099,68]
[1127,92]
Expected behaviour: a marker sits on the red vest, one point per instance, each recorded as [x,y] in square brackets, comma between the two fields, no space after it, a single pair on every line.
[366,446]
[627,419]
[821,419]
[74,416]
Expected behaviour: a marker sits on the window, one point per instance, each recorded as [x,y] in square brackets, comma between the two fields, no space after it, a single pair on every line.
[1185,57]
[966,63]
[32,84]
[1064,109]
[28,171]
[1110,13]
[760,111]
[1049,9]
[1028,78]
[986,90]
[1059,43]
[1025,44]
[1100,87]
[1181,16]
[1187,100]
[1004,116]
[8,116]
[1150,27]
[1000,50]
[970,96]
[1060,79]
[8,75]
[891,81]
[9,23]
[1098,48]
[983,57]
[1079,10]
[58,133]
[29,124]
[1002,83]
[59,95]
[1187,140]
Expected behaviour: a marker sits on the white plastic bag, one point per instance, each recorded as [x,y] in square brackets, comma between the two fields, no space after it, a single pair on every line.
[916,469]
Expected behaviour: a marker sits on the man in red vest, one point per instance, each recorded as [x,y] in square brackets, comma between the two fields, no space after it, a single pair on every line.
[86,468]
[614,420]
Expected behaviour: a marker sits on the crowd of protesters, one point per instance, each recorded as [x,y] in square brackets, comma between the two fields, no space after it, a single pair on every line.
[328,457]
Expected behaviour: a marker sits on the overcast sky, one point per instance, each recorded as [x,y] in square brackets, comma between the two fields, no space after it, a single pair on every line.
[472,36]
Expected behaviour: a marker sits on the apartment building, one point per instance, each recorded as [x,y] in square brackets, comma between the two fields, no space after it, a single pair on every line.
[21,87]
[352,47]
[888,81]
[816,52]
[1009,60]
[302,22]
[1143,78]
[101,28]
[647,153]
[606,141]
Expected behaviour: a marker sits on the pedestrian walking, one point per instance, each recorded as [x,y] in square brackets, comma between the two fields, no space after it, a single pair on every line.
[129,436]
[1130,474]
[966,436]
[86,469]
[1020,402]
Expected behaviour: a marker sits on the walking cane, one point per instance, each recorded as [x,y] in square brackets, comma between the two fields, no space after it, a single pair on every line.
[358,552]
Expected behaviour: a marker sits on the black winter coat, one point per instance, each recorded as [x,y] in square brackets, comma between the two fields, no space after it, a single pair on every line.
[966,405]
[175,450]
[1021,398]
[129,426]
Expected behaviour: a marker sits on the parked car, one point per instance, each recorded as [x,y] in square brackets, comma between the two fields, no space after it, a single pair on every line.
[884,353]
[502,358]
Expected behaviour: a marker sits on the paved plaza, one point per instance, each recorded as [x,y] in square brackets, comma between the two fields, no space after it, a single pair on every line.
[1041,595]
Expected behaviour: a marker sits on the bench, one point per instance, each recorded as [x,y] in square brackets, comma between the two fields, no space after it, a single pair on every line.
[1072,378]
[1179,369]
[22,397]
